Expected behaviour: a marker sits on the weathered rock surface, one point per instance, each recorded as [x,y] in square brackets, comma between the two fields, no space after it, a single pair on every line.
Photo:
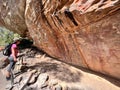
[81,32]
[46,73]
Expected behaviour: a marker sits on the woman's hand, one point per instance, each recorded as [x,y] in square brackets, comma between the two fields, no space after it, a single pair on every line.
[15,59]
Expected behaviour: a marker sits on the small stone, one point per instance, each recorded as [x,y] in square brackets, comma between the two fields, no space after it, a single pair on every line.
[29,70]
[34,71]
[44,85]
[38,56]
[58,87]
[65,87]
[53,82]
[32,80]
[42,79]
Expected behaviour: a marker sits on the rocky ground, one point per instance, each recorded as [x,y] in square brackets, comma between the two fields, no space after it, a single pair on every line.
[45,73]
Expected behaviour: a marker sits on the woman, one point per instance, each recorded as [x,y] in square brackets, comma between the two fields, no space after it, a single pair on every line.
[13,57]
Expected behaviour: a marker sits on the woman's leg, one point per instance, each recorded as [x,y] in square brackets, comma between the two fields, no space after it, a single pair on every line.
[9,68]
[12,63]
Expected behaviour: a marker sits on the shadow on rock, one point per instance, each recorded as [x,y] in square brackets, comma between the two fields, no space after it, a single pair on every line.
[60,71]
[106,77]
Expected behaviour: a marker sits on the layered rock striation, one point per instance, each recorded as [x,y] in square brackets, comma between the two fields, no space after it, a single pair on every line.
[80,32]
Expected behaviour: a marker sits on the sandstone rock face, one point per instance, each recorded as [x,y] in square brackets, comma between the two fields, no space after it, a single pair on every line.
[80,32]
[12,15]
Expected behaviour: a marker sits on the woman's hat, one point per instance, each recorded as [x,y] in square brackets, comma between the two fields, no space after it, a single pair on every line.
[16,39]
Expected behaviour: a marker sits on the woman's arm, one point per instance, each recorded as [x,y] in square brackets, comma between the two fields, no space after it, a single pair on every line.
[13,54]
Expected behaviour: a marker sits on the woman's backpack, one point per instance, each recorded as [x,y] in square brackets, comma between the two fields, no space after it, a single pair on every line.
[7,50]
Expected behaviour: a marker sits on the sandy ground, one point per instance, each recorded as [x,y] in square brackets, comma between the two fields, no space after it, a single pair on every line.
[3,82]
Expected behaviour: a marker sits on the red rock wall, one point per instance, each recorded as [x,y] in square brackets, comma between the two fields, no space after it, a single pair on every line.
[87,34]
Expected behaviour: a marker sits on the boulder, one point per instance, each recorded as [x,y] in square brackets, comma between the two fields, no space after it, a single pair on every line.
[3,61]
